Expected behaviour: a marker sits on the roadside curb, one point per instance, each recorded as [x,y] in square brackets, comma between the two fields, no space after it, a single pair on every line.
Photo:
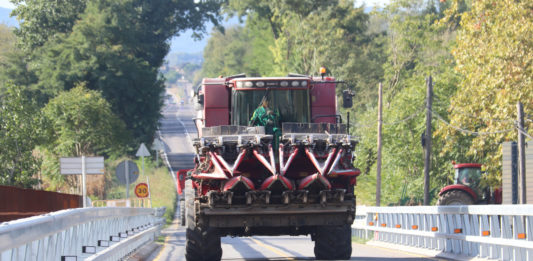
[145,252]
[423,252]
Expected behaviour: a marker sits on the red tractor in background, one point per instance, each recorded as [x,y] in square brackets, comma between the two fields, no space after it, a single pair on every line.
[468,188]
[272,158]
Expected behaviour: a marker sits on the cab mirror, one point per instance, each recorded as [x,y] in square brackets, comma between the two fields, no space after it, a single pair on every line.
[347,99]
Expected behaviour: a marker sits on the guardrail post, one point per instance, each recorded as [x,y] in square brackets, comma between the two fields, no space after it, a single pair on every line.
[529,234]
[519,233]
[495,231]
[507,232]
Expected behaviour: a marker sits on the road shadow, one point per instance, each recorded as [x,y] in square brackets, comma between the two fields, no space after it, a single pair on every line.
[286,250]
[243,249]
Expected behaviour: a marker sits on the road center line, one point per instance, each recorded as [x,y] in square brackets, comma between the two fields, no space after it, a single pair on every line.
[273,249]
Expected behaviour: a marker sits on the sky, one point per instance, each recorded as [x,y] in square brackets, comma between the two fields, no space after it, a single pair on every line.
[7,4]
[185,43]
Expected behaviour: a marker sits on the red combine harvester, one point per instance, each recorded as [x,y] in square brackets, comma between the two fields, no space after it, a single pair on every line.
[272,158]
[468,189]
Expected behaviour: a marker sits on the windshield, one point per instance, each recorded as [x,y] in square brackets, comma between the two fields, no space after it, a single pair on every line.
[292,105]
[468,176]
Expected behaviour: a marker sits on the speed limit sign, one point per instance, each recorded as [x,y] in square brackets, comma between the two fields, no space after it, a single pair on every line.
[141,190]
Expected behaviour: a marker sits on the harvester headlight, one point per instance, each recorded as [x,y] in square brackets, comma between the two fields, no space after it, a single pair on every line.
[260,84]
[284,83]
[295,83]
[248,84]
[239,84]
[304,83]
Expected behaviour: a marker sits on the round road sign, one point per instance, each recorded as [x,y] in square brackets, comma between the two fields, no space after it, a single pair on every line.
[141,190]
[132,171]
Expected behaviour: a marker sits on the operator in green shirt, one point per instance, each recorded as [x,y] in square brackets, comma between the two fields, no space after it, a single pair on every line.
[264,116]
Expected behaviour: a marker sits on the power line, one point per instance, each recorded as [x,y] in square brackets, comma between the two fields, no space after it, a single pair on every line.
[420,110]
[481,118]
[477,133]
[472,116]
[524,132]
[406,118]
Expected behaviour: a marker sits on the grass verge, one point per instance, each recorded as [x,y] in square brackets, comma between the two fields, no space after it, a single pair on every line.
[162,186]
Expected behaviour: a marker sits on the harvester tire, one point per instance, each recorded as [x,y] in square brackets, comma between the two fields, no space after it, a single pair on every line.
[202,243]
[182,212]
[455,197]
[333,242]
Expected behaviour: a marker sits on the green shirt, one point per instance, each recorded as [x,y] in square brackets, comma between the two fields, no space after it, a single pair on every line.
[261,117]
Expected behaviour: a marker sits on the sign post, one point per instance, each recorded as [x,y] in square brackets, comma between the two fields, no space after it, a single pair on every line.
[82,165]
[127,176]
[157,146]
[143,152]
[127,172]
[83,181]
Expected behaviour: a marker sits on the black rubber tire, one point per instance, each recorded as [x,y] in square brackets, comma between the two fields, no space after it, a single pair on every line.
[202,243]
[455,197]
[182,212]
[333,242]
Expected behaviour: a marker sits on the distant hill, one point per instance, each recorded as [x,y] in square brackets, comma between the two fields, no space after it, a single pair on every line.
[179,59]
[6,19]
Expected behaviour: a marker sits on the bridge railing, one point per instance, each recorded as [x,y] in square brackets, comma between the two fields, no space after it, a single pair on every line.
[131,202]
[80,234]
[503,232]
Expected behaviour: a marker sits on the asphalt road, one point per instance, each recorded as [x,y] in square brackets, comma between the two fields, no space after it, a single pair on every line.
[176,130]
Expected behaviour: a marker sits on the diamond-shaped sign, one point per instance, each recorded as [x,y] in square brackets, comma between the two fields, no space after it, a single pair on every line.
[142,151]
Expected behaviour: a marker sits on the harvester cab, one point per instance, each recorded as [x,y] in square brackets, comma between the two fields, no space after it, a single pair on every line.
[272,158]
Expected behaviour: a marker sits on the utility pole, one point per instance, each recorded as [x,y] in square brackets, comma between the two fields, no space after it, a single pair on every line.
[427,154]
[521,152]
[378,164]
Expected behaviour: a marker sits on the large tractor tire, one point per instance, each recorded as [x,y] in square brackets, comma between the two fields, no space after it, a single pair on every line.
[455,197]
[202,243]
[182,212]
[333,243]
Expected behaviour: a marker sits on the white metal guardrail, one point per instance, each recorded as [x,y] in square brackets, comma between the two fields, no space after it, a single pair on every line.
[502,232]
[80,234]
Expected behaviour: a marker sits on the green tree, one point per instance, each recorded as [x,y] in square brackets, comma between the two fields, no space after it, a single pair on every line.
[81,124]
[116,47]
[7,42]
[225,52]
[22,127]
[494,55]
[41,20]
[416,47]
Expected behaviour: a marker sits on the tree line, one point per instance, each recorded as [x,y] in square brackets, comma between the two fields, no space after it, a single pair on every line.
[82,77]
[479,54]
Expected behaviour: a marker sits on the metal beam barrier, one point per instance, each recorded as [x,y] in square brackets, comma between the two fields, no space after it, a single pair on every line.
[79,234]
[502,232]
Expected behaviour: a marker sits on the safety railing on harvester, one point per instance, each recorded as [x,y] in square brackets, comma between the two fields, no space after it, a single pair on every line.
[80,234]
[503,232]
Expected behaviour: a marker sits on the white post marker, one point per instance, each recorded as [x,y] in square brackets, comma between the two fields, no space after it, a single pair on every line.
[149,192]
